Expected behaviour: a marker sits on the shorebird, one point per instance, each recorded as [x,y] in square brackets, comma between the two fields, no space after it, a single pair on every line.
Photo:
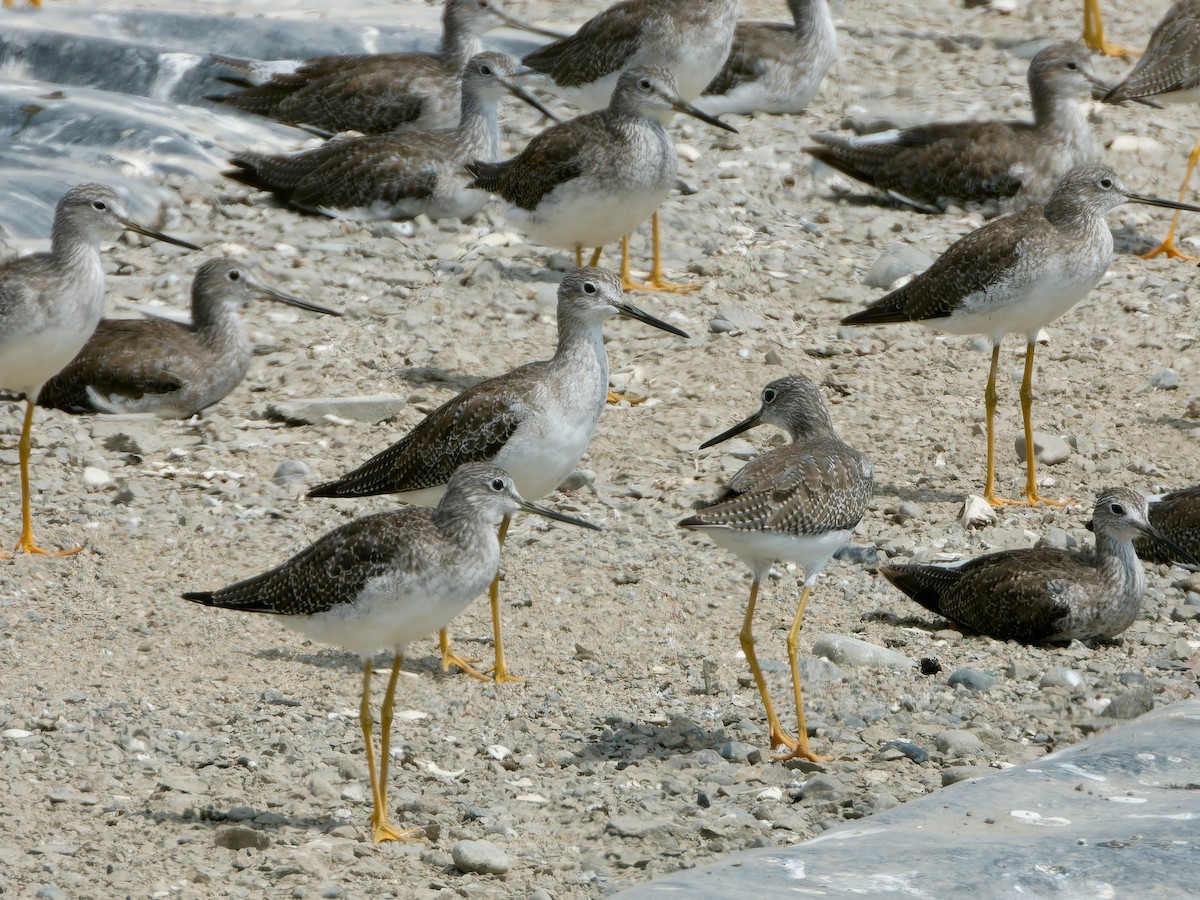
[535,422]
[1015,275]
[1093,32]
[595,178]
[1039,595]
[385,580]
[376,93]
[163,367]
[692,39]
[397,176]
[799,502]
[933,166]
[774,67]
[50,304]
[1169,70]
[1177,517]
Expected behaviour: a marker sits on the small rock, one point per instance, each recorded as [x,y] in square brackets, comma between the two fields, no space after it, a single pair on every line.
[1061,676]
[96,478]
[1131,704]
[1049,449]
[973,680]
[480,857]
[722,326]
[954,743]
[976,512]
[1020,670]
[915,752]
[817,670]
[239,837]
[736,751]
[858,554]
[825,787]
[577,480]
[373,409]
[955,774]
[1165,380]
[634,826]
[290,471]
[1057,539]
[851,651]
[894,263]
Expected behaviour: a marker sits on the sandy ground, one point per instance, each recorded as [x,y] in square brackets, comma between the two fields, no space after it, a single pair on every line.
[154,748]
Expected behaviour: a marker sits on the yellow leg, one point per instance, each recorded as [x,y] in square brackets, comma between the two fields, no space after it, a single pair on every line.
[24,449]
[990,398]
[500,672]
[801,750]
[578,255]
[1168,246]
[596,257]
[1093,33]
[380,829]
[779,738]
[657,281]
[1031,492]
[450,659]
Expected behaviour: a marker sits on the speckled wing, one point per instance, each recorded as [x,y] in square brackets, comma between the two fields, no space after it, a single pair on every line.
[1171,61]
[1177,516]
[1019,595]
[795,489]
[603,45]
[553,157]
[125,358]
[981,259]
[18,301]
[376,169]
[472,427]
[935,165]
[334,570]
[745,65]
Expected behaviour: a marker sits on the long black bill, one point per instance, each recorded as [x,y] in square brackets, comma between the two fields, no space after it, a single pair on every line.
[744,425]
[159,236]
[680,105]
[1158,201]
[511,22]
[1180,554]
[633,312]
[520,93]
[556,516]
[270,293]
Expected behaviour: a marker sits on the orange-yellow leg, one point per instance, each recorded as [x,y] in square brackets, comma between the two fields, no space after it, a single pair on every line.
[1093,33]
[500,673]
[656,281]
[779,738]
[450,659]
[1031,492]
[1168,246]
[24,449]
[33,3]
[579,256]
[801,750]
[990,398]
[381,830]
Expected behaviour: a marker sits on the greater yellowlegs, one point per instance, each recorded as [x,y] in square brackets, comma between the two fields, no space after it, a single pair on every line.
[382,581]
[163,367]
[1093,32]
[1169,70]
[773,67]
[691,39]
[397,176]
[799,502]
[595,178]
[373,94]
[50,304]
[535,422]
[933,166]
[1045,594]
[1015,275]
[1176,516]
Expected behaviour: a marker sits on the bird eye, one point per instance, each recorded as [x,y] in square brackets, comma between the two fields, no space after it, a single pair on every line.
[483,4]
[99,205]
[644,84]
[1106,183]
[497,484]
[769,395]
[235,275]
[589,288]
[1073,66]
[1116,509]
[484,70]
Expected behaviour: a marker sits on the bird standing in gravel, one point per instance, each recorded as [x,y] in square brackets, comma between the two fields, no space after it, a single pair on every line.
[163,367]
[385,580]
[535,422]
[1015,275]
[50,303]
[1047,594]
[1093,32]
[800,503]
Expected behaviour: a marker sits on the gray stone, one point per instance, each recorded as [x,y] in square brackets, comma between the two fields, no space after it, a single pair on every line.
[894,263]
[1165,380]
[1057,539]
[1061,676]
[239,837]
[290,471]
[737,751]
[915,752]
[850,651]
[1049,449]
[1131,704]
[1020,670]
[825,787]
[955,774]
[578,479]
[955,743]
[818,670]
[973,680]
[635,826]
[316,411]
[480,858]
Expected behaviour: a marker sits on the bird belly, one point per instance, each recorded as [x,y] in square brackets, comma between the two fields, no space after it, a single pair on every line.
[590,214]
[29,362]
[758,549]
[538,463]
[1035,307]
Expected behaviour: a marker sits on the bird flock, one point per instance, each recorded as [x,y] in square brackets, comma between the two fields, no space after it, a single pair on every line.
[415,134]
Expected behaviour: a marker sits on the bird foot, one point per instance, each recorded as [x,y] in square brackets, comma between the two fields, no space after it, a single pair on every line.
[501,675]
[382,831]
[996,500]
[1033,498]
[1169,249]
[801,751]
[615,397]
[1119,51]
[26,545]
[780,738]
[451,660]
[656,282]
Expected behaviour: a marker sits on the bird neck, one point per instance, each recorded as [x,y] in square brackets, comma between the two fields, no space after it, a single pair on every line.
[70,243]
[459,523]
[1118,564]
[581,346]
[216,324]
[458,45]
[809,14]
[478,132]
[1069,213]
[1059,113]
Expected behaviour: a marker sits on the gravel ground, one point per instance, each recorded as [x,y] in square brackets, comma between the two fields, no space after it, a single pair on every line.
[154,748]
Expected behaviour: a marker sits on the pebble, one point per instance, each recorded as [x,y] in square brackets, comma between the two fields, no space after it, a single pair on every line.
[290,471]
[850,651]
[239,837]
[317,411]
[894,263]
[1131,703]
[955,743]
[1061,676]
[578,480]
[976,512]
[480,857]
[1049,449]
[1057,539]
[973,680]
[1165,380]
[737,751]
[825,787]
[915,752]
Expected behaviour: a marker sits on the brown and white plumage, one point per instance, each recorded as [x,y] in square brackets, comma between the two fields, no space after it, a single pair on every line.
[944,163]
[1177,517]
[164,367]
[1169,68]
[1044,594]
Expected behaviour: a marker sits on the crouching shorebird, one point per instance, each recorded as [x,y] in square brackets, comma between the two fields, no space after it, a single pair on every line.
[799,503]
[377,93]
[1017,274]
[163,367]
[595,178]
[535,422]
[1016,163]
[397,176]
[1177,517]
[1046,594]
[50,304]
[384,580]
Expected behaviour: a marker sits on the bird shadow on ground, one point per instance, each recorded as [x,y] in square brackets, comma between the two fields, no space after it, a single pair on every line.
[419,663]
[431,376]
[262,821]
[1128,242]
[924,623]
[628,742]
[917,493]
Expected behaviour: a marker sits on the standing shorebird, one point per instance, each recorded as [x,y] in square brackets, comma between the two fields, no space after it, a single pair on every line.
[1046,594]
[773,67]
[376,93]
[1017,163]
[1015,275]
[1093,32]
[1176,516]
[50,304]
[535,422]
[163,367]
[691,38]
[1169,70]
[799,502]
[597,177]
[385,580]
[397,176]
